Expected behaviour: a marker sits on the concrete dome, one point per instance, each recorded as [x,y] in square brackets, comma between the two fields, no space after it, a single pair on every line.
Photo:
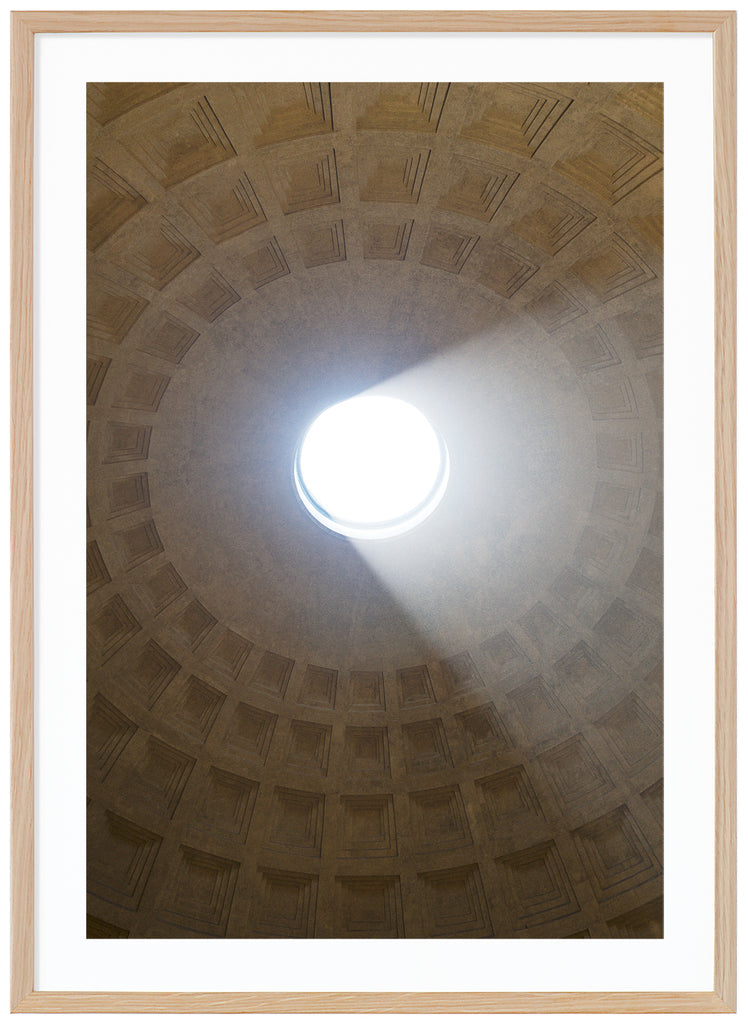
[453,733]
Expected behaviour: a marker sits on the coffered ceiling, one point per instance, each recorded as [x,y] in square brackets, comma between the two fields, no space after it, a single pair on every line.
[453,733]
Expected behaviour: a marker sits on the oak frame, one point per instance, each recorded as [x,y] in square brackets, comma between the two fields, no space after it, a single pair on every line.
[24,27]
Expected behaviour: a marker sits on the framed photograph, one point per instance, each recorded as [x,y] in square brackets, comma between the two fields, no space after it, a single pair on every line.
[392,416]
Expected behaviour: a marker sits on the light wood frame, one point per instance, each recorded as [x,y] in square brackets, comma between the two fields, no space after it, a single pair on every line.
[24,26]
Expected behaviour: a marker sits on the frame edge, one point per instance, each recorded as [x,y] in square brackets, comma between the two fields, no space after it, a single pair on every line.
[373,1002]
[725,332]
[375,21]
[22,552]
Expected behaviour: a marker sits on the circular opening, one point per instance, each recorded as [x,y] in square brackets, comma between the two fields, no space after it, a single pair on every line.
[371,467]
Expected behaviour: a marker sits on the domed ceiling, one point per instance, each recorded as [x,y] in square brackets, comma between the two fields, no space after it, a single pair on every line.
[452,733]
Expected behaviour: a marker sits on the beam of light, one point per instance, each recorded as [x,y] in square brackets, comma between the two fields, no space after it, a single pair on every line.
[519,474]
[371,467]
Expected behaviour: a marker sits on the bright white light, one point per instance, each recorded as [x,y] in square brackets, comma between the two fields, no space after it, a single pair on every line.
[371,467]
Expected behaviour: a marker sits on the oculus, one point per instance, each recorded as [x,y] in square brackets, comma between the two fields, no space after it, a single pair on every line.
[371,467]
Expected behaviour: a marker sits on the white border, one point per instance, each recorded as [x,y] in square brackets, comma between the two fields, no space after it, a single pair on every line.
[681,962]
